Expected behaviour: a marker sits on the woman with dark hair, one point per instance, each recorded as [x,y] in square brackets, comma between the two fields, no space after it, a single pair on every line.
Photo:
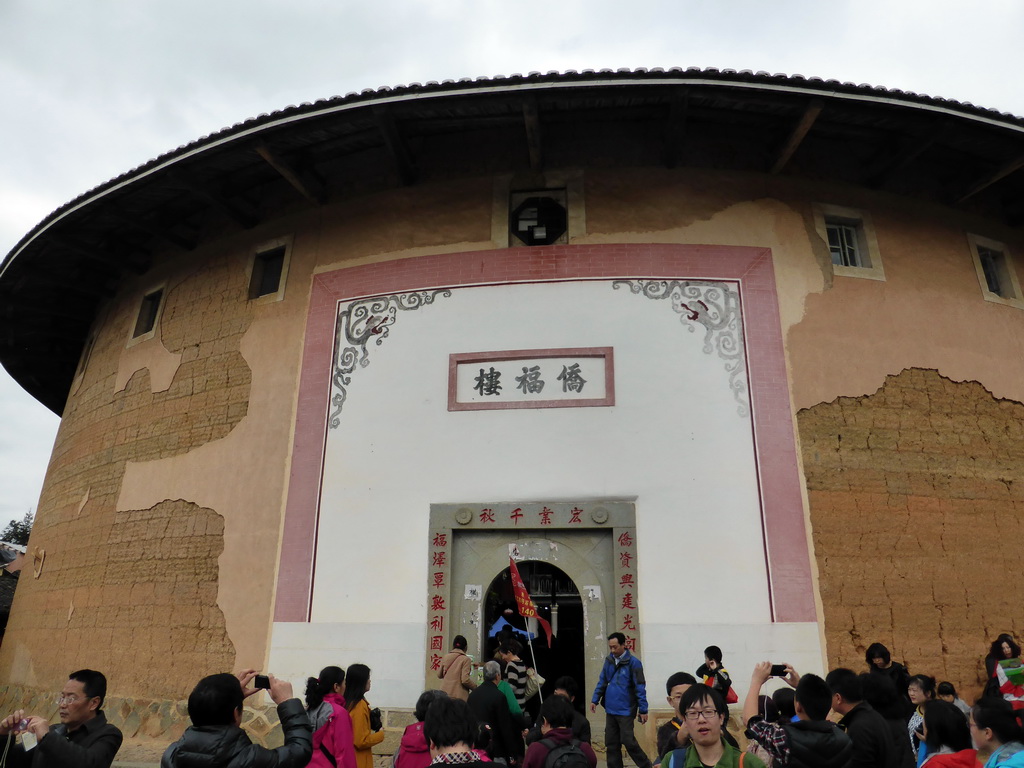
[948,737]
[921,690]
[414,752]
[364,737]
[332,729]
[995,729]
[881,694]
[514,670]
[1003,665]
[454,670]
[880,663]
[331,680]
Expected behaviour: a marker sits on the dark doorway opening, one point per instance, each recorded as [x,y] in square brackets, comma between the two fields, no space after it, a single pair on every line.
[558,601]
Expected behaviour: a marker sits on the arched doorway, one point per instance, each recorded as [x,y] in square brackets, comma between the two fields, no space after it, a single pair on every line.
[558,601]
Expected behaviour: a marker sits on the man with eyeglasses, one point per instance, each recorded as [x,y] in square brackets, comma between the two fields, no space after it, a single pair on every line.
[704,710]
[82,739]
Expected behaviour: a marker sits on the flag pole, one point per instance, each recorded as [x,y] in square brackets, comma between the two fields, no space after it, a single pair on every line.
[533,656]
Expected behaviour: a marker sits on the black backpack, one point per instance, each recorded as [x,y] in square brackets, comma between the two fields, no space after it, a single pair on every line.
[564,755]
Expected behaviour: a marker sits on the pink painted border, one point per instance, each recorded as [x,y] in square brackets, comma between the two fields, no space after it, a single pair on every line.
[787,554]
[525,354]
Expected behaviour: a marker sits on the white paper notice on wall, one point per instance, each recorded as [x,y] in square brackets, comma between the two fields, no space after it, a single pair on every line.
[473,592]
[592,592]
[513,552]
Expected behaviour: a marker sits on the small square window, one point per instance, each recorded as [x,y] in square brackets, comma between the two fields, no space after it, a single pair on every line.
[149,311]
[845,242]
[996,272]
[269,270]
[850,237]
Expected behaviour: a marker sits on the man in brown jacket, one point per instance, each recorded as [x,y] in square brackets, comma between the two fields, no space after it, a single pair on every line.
[454,671]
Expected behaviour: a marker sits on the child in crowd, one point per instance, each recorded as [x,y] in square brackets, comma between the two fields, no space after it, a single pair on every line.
[714,675]
[947,692]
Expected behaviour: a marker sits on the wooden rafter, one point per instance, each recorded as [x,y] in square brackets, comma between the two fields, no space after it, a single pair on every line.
[1000,173]
[909,150]
[140,224]
[675,127]
[796,138]
[236,211]
[400,152]
[137,262]
[303,183]
[534,140]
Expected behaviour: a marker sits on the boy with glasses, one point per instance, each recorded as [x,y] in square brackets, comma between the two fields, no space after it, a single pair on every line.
[703,711]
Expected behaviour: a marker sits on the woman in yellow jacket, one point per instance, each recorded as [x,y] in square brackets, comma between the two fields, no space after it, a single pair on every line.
[357,683]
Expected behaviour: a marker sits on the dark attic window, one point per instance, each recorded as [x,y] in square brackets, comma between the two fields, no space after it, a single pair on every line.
[149,310]
[539,219]
[267,269]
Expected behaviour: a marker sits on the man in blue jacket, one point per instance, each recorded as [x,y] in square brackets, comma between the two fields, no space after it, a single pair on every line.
[622,691]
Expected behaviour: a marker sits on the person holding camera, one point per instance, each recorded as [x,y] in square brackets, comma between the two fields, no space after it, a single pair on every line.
[812,741]
[82,739]
[216,740]
[367,730]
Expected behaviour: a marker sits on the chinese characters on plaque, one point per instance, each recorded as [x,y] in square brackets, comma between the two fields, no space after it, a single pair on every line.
[534,378]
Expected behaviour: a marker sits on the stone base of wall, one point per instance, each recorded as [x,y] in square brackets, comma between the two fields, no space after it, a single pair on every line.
[151,725]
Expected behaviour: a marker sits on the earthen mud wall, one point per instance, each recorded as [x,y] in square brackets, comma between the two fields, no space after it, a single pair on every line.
[134,593]
[917,505]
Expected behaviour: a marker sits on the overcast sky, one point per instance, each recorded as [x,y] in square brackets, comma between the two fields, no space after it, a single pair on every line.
[93,88]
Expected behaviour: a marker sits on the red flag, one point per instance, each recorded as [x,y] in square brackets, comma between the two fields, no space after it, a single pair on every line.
[527,608]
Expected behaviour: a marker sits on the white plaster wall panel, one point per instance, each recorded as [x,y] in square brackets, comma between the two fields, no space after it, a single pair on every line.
[674,441]
[679,647]
[392,651]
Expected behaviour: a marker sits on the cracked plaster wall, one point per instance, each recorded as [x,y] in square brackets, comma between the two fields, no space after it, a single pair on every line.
[917,504]
[132,591]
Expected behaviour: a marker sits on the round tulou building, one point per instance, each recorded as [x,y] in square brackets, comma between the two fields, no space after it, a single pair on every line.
[716,357]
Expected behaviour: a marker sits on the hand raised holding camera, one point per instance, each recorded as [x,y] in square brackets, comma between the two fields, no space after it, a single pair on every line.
[280,690]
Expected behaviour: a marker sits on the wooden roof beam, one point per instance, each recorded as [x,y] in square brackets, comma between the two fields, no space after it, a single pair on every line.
[397,146]
[303,183]
[796,138]
[909,150]
[675,128]
[534,140]
[1000,173]
[137,262]
[141,225]
[240,214]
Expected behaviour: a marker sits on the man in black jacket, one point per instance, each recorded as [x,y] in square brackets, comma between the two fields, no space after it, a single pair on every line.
[216,740]
[490,706]
[82,739]
[871,737]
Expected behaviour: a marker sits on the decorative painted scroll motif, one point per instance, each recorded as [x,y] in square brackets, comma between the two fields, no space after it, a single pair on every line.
[357,324]
[714,305]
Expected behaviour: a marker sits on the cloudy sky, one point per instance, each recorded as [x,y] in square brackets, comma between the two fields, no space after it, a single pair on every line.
[92,88]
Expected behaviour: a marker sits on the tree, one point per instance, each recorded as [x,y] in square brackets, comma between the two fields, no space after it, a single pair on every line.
[17,532]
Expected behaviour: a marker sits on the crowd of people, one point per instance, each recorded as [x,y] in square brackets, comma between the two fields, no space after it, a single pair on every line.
[882,718]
